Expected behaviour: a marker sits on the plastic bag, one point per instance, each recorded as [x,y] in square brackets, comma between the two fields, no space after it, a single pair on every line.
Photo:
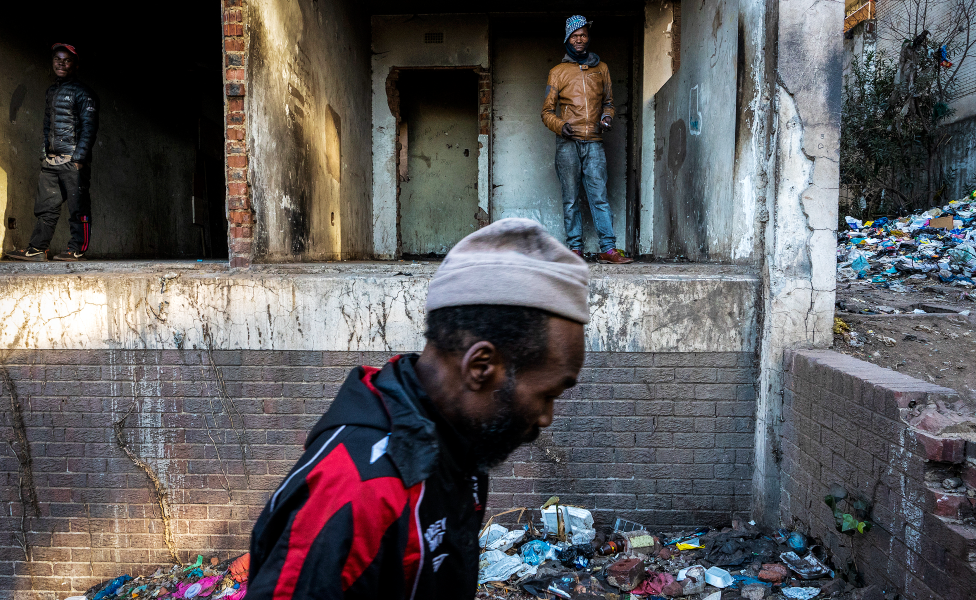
[501,570]
[537,552]
[490,535]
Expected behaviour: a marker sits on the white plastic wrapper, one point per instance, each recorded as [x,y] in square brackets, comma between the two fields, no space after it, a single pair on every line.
[583,536]
[501,570]
[507,541]
[489,558]
[574,518]
[490,535]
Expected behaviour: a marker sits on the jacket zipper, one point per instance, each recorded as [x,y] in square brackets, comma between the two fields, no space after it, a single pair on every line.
[586,104]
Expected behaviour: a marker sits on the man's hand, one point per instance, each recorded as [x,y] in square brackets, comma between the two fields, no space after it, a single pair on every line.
[77,166]
[606,123]
[567,131]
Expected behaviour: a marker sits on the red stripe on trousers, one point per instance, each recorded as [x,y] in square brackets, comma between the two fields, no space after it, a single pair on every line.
[334,483]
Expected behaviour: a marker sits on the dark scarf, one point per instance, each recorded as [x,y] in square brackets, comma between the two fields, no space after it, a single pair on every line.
[590,59]
[577,57]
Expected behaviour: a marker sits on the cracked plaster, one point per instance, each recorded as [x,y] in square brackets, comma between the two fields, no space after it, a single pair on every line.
[650,309]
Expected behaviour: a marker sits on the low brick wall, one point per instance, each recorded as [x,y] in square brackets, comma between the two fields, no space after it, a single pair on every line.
[666,439]
[885,437]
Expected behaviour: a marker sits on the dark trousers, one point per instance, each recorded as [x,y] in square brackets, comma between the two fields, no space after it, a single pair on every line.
[57,185]
[585,163]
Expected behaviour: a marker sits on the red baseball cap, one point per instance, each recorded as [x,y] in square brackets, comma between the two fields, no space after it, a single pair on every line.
[67,47]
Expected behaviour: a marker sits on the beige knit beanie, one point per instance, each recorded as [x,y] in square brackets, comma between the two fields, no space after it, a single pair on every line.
[512,262]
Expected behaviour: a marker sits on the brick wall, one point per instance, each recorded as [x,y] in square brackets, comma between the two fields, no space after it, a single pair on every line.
[885,437]
[662,438]
[240,215]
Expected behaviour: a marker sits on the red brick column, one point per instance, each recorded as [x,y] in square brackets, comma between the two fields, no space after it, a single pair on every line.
[484,103]
[240,216]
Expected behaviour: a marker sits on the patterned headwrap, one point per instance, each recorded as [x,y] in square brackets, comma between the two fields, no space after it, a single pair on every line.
[573,23]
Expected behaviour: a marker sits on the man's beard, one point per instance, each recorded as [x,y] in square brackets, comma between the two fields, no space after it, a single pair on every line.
[494,440]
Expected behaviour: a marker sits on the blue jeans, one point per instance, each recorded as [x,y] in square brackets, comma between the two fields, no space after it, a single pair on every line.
[584,162]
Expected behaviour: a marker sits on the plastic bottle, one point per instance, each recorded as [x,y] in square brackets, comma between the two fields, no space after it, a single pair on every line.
[611,548]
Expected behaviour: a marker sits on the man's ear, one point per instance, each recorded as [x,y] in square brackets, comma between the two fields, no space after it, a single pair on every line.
[480,366]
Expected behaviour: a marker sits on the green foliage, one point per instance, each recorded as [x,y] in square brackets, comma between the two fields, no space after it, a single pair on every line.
[852,522]
[891,136]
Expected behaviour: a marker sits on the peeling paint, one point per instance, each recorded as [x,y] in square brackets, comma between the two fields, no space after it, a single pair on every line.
[368,308]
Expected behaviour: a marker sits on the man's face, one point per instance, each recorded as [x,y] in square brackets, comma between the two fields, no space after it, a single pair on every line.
[580,38]
[522,405]
[64,63]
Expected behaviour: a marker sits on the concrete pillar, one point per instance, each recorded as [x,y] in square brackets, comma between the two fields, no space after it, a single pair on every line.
[800,212]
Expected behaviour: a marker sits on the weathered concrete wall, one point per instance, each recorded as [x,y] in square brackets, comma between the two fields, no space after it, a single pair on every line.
[398,41]
[658,41]
[345,307]
[800,215]
[307,105]
[524,181]
[959,157]
[878,434]
[150,125]
[695,211]
[664,439]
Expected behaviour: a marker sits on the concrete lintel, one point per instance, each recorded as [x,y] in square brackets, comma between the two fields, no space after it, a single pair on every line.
[344,307]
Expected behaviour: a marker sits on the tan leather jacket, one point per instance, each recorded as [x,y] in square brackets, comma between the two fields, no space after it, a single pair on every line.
[584,95]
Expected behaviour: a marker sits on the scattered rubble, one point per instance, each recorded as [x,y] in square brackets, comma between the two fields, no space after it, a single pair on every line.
[905,294]
[629,562]
[217,580]
[899,254]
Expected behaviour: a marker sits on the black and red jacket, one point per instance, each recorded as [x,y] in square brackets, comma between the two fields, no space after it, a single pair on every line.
[385,502]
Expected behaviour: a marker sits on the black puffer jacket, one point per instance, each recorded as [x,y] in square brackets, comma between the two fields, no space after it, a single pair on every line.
[70,119]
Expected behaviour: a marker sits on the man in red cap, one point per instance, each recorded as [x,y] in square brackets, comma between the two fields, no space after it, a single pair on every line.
[70,124]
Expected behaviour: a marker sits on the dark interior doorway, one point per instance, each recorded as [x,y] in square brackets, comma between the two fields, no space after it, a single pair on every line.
[158,188]
[438,169]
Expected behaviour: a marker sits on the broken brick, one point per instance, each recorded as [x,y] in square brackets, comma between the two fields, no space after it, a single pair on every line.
[774,573]
[626,574]
[941,449]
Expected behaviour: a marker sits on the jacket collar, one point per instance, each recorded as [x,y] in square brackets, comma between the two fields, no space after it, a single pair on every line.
[591,61]
[417,430]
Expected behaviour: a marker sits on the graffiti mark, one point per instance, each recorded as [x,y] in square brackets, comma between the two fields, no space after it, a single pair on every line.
[694,113]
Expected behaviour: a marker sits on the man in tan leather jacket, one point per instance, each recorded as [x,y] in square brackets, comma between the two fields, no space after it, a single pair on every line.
[580,88]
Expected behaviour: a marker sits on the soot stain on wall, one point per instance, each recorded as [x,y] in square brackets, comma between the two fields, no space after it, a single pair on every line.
[16,100]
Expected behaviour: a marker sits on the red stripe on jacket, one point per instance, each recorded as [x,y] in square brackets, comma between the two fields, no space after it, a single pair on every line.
[413,554]
[333,484]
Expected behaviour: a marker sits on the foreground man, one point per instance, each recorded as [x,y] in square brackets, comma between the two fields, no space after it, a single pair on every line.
[388,499]
[70,124]
[580,86]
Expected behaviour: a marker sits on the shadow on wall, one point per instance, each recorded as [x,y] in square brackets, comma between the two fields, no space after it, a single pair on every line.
[308,107]
[157,170]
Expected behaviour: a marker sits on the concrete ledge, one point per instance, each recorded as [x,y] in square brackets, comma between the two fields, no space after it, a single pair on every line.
[347,306]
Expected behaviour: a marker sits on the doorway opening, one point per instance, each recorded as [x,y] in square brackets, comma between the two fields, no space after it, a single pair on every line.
[157,164]
[437,159]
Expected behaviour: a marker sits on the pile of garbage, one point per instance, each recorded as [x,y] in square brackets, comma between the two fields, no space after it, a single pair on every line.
[226,580]
[938,244]
[563,556]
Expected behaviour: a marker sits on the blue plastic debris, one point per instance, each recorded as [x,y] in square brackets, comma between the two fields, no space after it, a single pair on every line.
[113,586]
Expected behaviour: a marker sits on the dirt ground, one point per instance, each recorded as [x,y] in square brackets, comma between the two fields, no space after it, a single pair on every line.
[938,347]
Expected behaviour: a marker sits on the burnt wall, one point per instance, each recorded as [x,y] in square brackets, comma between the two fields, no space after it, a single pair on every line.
[308,135]
[160,138]
[695,214]
[887,439]
[662,438]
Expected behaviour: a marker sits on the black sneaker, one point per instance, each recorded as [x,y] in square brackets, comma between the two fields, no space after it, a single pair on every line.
[70,256]
[29,254]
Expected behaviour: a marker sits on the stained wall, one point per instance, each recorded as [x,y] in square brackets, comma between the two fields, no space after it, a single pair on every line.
[308,139]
